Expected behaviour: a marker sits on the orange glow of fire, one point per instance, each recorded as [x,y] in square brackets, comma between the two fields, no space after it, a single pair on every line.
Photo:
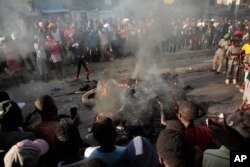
[123,85]
[104,91]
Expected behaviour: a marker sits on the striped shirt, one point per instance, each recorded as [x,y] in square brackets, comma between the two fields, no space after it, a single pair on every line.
[198,135]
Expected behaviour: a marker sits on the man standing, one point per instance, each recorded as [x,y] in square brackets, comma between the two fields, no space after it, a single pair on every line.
[55,55]
[233,62]
[246,88]
[77,49]
[220,54]
[246,51]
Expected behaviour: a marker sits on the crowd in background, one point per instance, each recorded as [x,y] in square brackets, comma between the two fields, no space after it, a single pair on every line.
[45,138]
[57,42]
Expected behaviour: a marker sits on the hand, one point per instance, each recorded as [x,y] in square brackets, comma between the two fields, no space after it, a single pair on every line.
[241,89]
[77,120]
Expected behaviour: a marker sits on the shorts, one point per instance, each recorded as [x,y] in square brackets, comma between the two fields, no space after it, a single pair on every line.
[56,58]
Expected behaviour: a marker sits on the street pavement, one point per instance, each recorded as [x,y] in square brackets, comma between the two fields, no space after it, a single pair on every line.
[193,67]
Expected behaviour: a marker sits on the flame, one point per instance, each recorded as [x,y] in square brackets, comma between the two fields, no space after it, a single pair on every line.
[123,85]
[104,90]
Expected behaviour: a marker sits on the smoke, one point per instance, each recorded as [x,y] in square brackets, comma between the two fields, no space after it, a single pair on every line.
[152,18]
[12,15]
[15,23]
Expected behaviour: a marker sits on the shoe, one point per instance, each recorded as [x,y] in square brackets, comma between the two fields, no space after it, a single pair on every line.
[213,70]
[217,72]
[234,81]
[227,81]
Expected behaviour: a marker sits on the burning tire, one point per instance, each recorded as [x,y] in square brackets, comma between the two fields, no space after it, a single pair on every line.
[88,98]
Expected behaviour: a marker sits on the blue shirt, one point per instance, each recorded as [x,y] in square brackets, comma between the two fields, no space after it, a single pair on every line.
[112,159]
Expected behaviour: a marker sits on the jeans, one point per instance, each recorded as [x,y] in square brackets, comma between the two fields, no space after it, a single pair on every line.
[232,70]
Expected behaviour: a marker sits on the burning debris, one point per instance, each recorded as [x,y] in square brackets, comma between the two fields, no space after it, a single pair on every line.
[134,100]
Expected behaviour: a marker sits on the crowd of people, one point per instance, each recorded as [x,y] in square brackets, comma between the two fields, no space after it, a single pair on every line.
[54,140]
[53,43]
[44,138]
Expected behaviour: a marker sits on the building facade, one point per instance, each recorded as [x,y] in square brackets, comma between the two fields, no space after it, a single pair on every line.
[227,8]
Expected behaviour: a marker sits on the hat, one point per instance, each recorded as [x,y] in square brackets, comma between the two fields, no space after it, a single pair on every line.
[26,153]
[227,36]
[239,121]
[39,144]
[188,110]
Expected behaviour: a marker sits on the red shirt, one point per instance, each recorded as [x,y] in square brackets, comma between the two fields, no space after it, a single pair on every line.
[12,59]
[53,46]
[198,135]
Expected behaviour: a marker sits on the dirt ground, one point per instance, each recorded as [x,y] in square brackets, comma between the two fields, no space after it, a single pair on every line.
[193,68]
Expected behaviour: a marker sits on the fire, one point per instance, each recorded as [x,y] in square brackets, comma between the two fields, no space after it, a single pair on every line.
[104,90]
[126,82]
[123,85]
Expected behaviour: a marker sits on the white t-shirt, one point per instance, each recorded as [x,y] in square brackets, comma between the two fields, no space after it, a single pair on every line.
[246,95]
[111,158]
[56,36]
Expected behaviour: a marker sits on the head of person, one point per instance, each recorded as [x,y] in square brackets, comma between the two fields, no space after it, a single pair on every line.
[246,66]
[239,123]
[42,26]
[46,107]
[10,114]
[187,112]
[236,43]
[104,132]
[51,26]
[139,152]
[4,96]
[172,148]
[26,153]
[69,141]
[175,125]
[94,162]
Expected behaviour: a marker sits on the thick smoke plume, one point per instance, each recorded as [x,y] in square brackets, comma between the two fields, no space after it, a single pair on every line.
[16,23]
[138,109]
